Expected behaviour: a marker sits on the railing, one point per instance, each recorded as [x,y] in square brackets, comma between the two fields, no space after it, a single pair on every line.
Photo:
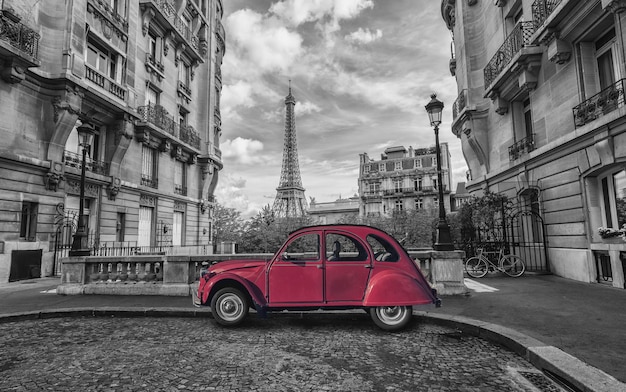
[459,104]
[125,272]
[149,181]
[184,88]
[101,80]
[150,60]
[158,116]
[411,190]
[215,150]
[180,190]
[110,14]
[519,38]
[18,35]
[542,9]
[169,13]
[76,161]
[189,135]
[525,145]
[600,104]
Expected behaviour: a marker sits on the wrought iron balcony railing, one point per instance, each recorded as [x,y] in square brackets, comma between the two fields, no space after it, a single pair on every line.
[168,10]
[76,161]
[459,104]
[542,9]
[520,147]
[151,61]
[147,180]
[189,135]
[18,35]
[513,44]
[180,190]
[158,116]
[600,104]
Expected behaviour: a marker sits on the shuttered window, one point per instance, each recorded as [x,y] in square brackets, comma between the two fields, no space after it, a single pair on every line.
[145,226]
[177,228]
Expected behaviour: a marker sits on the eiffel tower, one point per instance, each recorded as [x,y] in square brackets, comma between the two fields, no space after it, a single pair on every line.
[290,201]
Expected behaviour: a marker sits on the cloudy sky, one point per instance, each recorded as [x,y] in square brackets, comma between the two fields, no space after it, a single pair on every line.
[361,72]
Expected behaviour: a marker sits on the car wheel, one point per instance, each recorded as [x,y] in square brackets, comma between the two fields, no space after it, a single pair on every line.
[391,318]
[229,306]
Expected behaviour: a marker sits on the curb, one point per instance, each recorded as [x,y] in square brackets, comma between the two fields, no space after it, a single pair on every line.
[569,370]
[574,373]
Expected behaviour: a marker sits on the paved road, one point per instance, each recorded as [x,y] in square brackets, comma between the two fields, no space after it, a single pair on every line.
[318,352]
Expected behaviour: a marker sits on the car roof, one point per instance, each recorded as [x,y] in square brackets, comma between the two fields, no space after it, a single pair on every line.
[357,229]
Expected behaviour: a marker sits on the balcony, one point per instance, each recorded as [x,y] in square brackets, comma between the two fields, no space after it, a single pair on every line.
[514,66]
[19,46]
[180,190]
[600,104]
[155,67]
[157,118]
[103,12]
[75,161]
[147,180]
[165,13]
[184,91]
[459,105]
[189,135]
[542,9]
[520,147]
[105,83]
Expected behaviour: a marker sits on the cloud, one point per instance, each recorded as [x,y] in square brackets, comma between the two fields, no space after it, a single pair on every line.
[245,151]
[303,108]
[297,12]
[364,36]
[231,193]
[264,43]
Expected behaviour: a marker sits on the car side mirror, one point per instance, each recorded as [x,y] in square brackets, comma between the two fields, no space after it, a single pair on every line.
[285,256]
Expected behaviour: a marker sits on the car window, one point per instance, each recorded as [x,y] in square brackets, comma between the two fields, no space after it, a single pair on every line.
[304,248]
[382,249]
[341,247]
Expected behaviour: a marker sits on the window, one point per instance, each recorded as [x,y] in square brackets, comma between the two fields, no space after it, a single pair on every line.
[366,168]
[180,178]
[152,96]
[434,160]
[613,188]
[184,74]
[148,166]
[102,59]
[178,220]
[303,248]
[120,227]
[397,186]
[434,183]
[153,42]
[382,249]
[374,187]
[605,59]
[418,184]
[598,61]
[397,166]
[436,202]
[28,221]
[381,167]
[343,248]
[144,235]
[419,204]
[399,205]
[418,163]
[528,119]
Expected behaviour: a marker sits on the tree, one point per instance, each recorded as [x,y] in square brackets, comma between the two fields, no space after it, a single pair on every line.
[228,224]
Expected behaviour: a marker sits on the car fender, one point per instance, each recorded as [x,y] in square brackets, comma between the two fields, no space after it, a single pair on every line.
[396,288]
[212,284]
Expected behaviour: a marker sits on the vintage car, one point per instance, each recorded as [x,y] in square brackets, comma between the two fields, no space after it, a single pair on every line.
[321,267]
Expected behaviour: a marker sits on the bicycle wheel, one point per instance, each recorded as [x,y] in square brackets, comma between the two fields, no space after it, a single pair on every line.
[512,265]
[476,267]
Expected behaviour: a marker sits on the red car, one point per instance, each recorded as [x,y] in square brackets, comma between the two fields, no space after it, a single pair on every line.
[321,267]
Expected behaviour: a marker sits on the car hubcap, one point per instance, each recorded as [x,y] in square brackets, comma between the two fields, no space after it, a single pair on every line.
[230,307]
[391,315]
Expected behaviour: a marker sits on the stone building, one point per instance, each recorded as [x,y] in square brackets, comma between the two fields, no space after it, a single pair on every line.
[541,117]
[403,180]
[334,211]
[145,75]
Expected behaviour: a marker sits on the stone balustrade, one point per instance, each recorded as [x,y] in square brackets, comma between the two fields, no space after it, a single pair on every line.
[176,275]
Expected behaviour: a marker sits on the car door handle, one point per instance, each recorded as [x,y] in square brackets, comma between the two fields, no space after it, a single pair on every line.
[320,266]
[368,266]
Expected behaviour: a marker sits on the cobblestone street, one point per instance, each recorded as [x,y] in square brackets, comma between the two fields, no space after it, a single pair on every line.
[316,352]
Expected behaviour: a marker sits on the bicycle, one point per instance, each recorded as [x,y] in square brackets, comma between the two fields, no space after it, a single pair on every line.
[478,266]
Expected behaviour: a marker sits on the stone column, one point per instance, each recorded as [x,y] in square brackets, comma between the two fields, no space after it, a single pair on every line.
[447,272]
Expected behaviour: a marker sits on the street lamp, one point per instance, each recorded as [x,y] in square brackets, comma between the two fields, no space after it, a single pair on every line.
[80,243]
[444,240]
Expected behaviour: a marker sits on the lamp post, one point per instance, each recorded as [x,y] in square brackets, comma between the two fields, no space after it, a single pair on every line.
[444,240]
[80,242]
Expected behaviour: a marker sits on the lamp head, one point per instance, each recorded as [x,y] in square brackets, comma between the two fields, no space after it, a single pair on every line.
[86,132]
[434,109]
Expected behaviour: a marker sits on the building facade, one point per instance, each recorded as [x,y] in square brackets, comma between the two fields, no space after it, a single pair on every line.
[327,213]
[146,76]
[541,117]
[403,179]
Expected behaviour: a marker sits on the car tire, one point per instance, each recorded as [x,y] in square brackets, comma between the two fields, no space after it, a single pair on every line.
[229,307]
[391,318]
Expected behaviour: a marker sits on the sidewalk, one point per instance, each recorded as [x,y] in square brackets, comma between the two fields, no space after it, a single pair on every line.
[587,321]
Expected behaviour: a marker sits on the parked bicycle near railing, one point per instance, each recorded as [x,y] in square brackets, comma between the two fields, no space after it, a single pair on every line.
[479,266]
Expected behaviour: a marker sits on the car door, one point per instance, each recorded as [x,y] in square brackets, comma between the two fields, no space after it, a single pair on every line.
[347,267]
[296,276]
